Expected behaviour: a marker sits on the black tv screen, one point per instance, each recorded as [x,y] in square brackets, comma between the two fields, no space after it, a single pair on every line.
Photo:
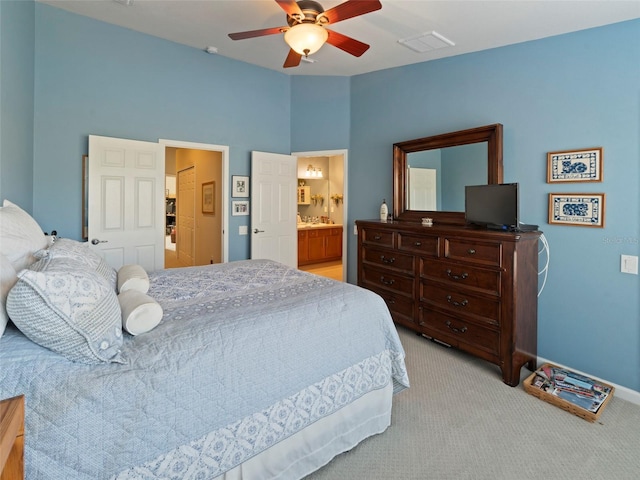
[493,206]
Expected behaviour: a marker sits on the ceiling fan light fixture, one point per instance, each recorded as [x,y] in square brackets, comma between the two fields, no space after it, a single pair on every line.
[306,38]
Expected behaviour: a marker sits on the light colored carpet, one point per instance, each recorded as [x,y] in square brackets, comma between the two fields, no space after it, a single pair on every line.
[459,421]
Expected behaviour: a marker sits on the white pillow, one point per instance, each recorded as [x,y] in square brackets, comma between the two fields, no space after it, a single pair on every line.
[68,308]
[8,279]
[80,251]
[133,277]
[140,312]
[20,236]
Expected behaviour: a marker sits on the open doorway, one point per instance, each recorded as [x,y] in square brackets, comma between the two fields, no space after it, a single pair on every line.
[322,222]
[195,188]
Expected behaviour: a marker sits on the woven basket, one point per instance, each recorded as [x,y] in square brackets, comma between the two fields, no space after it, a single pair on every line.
[562,403]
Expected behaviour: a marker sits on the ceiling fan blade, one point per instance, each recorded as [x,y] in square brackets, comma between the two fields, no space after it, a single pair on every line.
[350,9]
[293,59]
[290,6]
[348,44]
[257,33]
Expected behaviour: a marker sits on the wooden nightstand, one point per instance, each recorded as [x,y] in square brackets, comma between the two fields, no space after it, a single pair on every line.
[12,438]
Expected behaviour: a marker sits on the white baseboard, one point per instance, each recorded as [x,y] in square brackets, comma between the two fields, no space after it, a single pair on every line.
[621,392]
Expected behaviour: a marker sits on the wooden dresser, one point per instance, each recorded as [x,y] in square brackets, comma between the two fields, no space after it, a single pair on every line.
[469,288]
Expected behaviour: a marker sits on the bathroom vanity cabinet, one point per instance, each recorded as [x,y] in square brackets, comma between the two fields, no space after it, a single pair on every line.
[319,244]
[472,289]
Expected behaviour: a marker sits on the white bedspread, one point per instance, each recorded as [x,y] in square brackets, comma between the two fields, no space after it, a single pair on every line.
[247,354]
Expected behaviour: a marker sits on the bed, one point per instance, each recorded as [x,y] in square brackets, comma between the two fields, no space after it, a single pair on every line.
[256,370]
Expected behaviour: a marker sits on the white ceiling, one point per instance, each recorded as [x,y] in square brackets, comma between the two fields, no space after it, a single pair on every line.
[473,25]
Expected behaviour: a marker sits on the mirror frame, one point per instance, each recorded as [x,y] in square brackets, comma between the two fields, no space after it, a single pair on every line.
[492,134]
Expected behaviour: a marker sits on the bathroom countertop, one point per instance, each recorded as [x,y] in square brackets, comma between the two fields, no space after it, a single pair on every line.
[311,226]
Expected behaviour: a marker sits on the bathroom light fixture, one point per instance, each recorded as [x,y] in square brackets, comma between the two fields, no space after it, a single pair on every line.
[313,172]
[306,38]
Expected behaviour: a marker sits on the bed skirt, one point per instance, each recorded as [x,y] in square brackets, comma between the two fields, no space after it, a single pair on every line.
[315,446]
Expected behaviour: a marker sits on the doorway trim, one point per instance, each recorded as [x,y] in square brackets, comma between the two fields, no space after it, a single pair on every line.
[224,151]
[345,202]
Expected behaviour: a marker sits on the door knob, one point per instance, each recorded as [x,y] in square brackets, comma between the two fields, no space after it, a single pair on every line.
[95,241]
[258,231]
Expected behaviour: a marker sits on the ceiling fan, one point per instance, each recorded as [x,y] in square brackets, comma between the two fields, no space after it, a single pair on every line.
[306,31]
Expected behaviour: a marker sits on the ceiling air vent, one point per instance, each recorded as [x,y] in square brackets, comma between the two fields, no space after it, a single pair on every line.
[426,42]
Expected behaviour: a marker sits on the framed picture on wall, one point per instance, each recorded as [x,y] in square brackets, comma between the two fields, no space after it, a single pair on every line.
[577,209]
[575,166]
[240,207]
[209,198]
[239,186]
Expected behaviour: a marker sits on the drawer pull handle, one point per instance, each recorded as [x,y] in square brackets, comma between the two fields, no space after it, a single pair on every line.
[377,237]
[387,259]
[391,301]
[471,251]
[462,276]
[417,244]
[463,303]
[454,329]
[387,282]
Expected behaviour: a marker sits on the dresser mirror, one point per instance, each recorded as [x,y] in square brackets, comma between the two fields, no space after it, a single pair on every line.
[441,165]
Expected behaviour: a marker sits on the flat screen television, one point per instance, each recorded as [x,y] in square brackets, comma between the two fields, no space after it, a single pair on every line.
[492,206]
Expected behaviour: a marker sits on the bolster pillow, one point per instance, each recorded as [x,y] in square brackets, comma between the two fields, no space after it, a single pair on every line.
[133,277]
[140,312]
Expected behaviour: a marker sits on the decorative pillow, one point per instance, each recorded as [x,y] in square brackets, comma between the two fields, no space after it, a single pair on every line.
[80,251]
[8,279]
[140,312]
[20,236]
[68,308]
[133,277]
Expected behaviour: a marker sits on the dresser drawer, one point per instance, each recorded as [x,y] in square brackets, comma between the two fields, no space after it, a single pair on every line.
[372,236]
[459,333]
[375,279]
[420,244]
[473,251]
[464,275]
[389,259]
[400,307]
[460,301]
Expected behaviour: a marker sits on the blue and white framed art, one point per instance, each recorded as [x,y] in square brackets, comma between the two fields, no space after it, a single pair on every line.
[575,166]
[577,209]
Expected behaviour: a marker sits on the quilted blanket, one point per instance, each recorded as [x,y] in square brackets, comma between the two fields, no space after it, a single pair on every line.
[247,354]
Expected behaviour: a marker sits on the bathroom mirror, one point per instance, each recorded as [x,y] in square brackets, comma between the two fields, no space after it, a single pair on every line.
[451,161]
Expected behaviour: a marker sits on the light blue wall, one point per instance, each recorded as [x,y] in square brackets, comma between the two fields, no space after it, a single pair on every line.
[573,91]
[320,111]
[567,92]
[95,78]
[17,29]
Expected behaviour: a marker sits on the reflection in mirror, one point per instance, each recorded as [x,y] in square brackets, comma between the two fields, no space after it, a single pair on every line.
[430,173]
[436,178]
[321,204]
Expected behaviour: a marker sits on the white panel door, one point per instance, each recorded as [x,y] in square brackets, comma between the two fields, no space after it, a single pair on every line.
[126,201]
[422,188]
[185,216]
[274,184]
